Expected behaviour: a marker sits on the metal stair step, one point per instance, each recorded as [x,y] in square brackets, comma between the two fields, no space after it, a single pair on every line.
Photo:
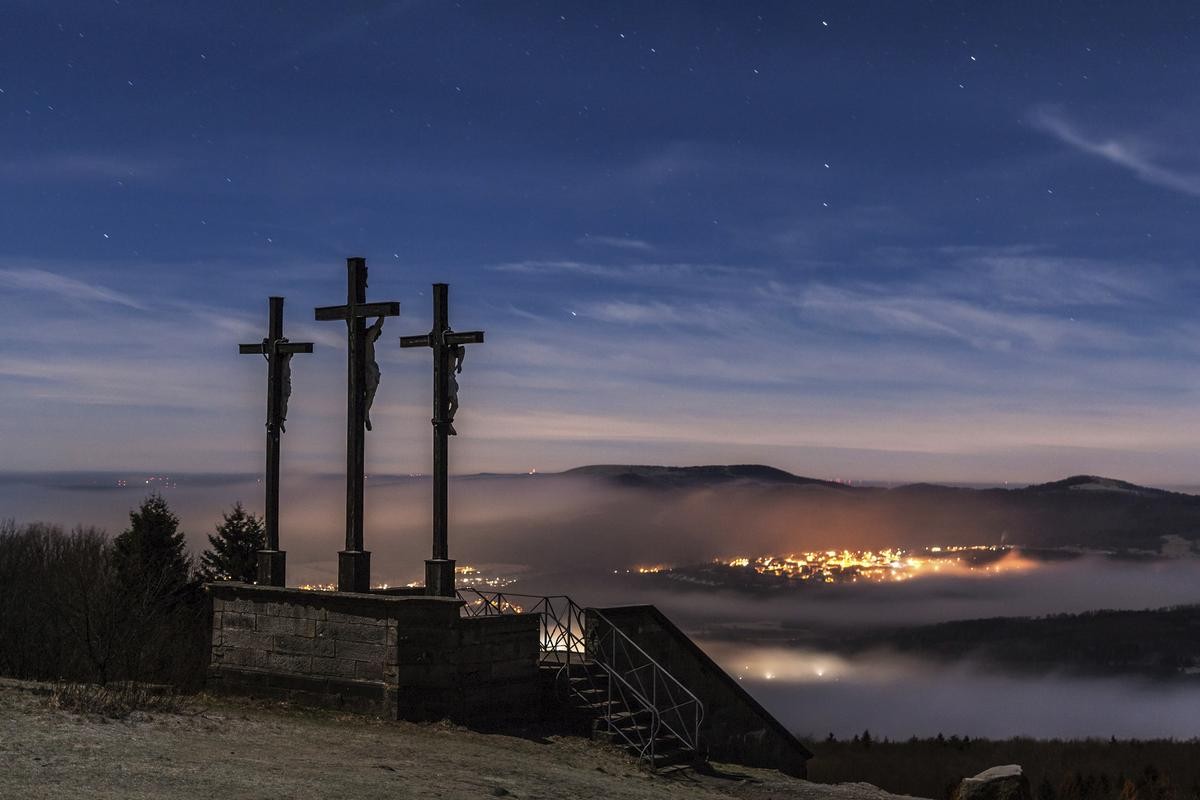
[671,757]
[600,709]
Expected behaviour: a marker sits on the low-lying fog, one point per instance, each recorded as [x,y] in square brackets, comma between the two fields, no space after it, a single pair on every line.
[577,537]
[816,694]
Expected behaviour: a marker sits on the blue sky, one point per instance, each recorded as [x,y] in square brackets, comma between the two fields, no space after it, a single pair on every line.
[858,240]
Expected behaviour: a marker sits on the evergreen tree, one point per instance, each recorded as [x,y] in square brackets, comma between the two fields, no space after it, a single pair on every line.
[151,554]
[233,551]
[154,588]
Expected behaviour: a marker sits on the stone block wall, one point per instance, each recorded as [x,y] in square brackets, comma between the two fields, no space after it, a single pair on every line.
[498,656]
[410,657]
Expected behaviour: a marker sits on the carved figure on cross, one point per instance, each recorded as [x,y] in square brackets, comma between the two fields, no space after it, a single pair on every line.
[285,384]
[371,379]
[448,354]
[456,355]
[362,380]
[278,351]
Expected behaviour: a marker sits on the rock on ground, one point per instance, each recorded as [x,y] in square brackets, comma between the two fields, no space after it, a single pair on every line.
[234,749]
[998,783]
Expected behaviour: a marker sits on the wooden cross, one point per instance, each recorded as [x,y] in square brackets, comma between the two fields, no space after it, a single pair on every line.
[354,563]
[447,356]
[279,352]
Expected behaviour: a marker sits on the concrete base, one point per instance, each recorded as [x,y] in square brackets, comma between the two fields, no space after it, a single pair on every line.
[354,571]
[411,657]
[439,577]
[272,568]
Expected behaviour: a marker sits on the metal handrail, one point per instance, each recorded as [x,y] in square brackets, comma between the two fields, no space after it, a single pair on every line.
[632,677]
[672,706]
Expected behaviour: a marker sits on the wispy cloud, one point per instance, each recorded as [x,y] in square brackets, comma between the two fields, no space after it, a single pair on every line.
[1036,280]
[619,242]
[724,317]
[1128,154]
[646,272]
[340,29]
[624,312]
[52,283]
[87,166]
[880,312]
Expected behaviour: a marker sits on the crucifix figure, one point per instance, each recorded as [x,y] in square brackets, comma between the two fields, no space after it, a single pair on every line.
[372,369]
[448,352]
[454,367]
[278,351]
[362,378]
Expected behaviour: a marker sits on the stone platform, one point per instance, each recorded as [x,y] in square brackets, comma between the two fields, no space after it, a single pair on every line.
[397,656]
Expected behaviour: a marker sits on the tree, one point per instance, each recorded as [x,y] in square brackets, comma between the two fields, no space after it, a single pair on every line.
[88,602]
[156,591]
[233,551]
[152,552]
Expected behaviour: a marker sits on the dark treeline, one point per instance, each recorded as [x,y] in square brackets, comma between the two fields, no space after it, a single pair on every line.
[81,606]
[1057,770]
[1162,642]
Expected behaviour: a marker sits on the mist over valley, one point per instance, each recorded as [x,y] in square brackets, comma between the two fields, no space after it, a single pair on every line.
[825,656]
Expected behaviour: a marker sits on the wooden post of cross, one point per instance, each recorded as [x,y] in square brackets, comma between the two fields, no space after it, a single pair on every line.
[354,563]
[272,566]
[448,351]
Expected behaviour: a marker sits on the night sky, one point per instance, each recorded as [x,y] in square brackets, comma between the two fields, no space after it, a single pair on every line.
[905,241]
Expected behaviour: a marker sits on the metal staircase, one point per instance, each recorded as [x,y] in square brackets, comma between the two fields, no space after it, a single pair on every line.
[631,699]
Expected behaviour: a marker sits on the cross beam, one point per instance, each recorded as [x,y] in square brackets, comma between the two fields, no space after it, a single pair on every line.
[448,351]
[354,563]
[278,352]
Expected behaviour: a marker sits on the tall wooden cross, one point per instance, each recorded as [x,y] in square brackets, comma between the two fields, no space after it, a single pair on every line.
[447,359]
[272,566]
[354,563]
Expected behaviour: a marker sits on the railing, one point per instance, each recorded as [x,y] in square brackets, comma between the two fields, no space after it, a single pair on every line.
[561,619]
[639,683]
[631,680]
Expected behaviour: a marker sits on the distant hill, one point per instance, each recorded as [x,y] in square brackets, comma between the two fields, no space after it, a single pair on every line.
[693,477]
[1095,483]
[1160,642]
[1082,511]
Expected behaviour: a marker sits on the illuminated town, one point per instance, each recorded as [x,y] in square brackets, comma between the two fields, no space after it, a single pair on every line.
[470,576]
[852,566]
[155,482]
[465,576]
